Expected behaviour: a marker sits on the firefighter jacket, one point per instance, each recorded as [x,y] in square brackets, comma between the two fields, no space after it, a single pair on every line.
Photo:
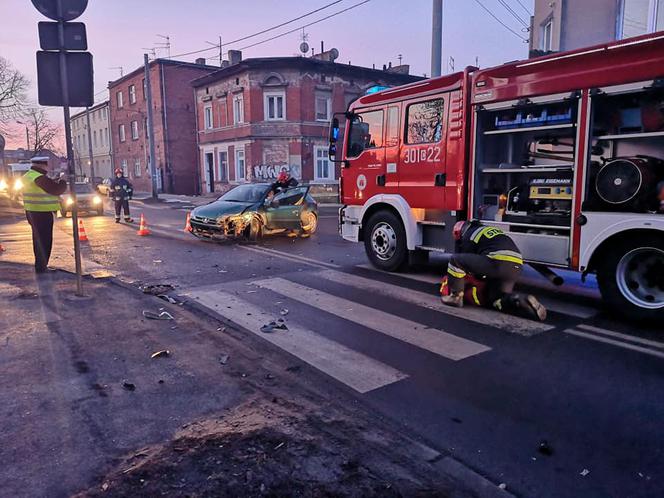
[490,242]
[281,186]
[121,189]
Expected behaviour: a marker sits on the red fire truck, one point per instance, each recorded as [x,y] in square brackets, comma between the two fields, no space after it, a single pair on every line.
[563,152]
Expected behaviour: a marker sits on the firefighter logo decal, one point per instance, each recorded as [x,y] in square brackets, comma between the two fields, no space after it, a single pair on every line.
[361,182]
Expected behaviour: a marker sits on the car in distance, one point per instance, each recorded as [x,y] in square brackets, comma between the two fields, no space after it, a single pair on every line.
[252,211]
[104,187]
[87,199]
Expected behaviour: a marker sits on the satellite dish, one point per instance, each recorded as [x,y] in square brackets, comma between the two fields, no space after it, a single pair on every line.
[71,9]
[334,54]
[304,47]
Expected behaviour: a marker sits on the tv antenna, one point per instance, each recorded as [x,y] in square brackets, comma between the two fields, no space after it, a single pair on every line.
[152,51]
[120,68]
[304,46]
[400,57]
[165,44]
[221,51]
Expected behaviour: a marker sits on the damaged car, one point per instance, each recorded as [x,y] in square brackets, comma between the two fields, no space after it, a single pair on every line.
[253,211]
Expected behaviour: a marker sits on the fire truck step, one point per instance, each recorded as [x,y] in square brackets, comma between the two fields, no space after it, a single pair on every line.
[431,222]
[431,249]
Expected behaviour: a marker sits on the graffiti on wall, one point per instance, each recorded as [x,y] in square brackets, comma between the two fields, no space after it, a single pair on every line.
[265,172]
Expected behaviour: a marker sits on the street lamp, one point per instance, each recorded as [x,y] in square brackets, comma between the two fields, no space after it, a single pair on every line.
[27,134]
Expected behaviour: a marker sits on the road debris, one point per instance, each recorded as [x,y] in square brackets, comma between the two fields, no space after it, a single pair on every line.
[502,485]
[164,353]
[168,298]
[272,326]
[585,472]
[269,376]
[223,359]
[164,315]
[284,311]
[545,448]
[129,386]
[157,289]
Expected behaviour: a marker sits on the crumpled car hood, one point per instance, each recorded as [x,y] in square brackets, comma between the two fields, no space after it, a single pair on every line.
[220,209]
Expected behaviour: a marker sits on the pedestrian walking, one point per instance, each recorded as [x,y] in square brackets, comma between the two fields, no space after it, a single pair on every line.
[40,201]
[121,192]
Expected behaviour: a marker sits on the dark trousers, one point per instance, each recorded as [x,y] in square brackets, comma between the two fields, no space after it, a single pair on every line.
[122,204]
[42,237]
[501,275]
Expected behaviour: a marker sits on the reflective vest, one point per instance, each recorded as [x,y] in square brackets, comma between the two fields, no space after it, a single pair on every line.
[34,198]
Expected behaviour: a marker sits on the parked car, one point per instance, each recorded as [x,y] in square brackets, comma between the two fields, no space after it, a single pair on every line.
[252,211]
[104,187]
[87,199]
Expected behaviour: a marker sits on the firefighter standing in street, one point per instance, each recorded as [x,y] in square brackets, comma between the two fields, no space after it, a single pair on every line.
[487,252]
[121,191]
[41,200]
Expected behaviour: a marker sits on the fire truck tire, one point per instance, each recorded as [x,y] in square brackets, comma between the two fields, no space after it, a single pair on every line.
[631,278]
[385,241]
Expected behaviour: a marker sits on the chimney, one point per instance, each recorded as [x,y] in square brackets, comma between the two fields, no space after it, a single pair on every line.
[200,61]
[225,64]
[234,57]
[402,69]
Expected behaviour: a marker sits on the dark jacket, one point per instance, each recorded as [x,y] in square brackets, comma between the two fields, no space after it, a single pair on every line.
[53,187]
[121,189]
[281,186]
[478,239]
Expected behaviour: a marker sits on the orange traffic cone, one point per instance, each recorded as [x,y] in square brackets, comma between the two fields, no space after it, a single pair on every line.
[2,249]
[143,227]
[82,236]
[187,225]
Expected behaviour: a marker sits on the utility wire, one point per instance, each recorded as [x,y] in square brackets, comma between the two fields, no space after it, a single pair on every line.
[259,32]
[524,8]
[513,13]
[501,22]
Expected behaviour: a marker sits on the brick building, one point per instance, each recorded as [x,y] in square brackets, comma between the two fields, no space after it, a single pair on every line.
[101,161]
[259,116]
[176,157]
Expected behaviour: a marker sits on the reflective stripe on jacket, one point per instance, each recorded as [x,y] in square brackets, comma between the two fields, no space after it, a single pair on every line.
[34,197]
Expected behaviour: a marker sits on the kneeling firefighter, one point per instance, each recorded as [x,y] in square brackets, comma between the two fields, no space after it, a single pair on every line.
[490,262]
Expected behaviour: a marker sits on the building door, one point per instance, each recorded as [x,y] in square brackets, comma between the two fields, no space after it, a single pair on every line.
[209,170]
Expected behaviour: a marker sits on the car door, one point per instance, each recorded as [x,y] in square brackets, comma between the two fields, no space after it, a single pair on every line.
[285,209]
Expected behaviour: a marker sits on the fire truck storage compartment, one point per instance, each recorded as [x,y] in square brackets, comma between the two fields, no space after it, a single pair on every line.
[628,131]
[524,169]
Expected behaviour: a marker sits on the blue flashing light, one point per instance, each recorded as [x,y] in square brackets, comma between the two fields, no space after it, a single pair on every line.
[376,89]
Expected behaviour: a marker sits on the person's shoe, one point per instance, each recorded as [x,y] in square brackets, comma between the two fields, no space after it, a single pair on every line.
[117,220]
[535,307]
[129,220]
[44,271]
[455,299]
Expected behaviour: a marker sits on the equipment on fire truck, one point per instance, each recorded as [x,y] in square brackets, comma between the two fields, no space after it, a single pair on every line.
[541,200]
[627,184]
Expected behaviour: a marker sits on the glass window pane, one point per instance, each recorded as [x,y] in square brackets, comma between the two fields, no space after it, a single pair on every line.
[366,132]
[280,107]
[659,23]
[270,107]
[635,17]
[425,122]
[392,132]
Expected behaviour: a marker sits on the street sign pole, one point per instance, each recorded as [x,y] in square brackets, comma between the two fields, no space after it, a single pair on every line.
[153,162]
[64,83]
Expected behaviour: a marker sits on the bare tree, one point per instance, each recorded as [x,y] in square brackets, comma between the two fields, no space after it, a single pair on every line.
[43,133]
[13,88]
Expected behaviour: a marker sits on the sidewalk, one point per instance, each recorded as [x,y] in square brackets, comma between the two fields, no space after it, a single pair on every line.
[86,407]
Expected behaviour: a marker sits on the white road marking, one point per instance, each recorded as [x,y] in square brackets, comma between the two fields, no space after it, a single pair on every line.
[482,316]
[611,333]
[420,277]
[354,369]
[433,340]
[290,257]
[613,342]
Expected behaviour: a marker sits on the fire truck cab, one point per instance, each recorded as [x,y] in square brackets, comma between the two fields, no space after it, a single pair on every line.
[565,153]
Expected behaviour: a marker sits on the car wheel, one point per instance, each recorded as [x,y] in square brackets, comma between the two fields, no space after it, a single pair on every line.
[385,241]
[309,222]
[100,211]
[255,229]
[631,278]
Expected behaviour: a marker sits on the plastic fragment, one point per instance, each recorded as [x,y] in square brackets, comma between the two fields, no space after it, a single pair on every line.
[164,315]
[164,353]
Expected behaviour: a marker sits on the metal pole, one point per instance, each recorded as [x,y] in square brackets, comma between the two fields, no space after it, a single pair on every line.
[436,38]
[92,167]
[153,168]
[27,138]
[64,82]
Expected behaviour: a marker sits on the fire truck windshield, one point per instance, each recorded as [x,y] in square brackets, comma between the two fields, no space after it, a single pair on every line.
[366,132]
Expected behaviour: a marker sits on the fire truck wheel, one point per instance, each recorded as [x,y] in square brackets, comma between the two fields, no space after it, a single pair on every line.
[385,241]
[631,278]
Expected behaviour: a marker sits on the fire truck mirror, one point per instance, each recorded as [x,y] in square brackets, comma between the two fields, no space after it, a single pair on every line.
[334,131]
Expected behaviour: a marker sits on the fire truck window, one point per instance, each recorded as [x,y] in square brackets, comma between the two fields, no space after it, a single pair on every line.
[366,132]
[424,122]
[392,132]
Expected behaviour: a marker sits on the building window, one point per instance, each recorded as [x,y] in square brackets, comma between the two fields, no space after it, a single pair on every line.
[366,132]
[94,137]
[103,113]
[424,122]
[239,165]
[132,94]
[106,135]
[120,100]
[638,17]
[238,109]
[223,166]
[546,43]
[137,168]
[324,170]
[323,107]
[124,166]
[275,106]
[209,123]
[147,130]
[145,89]
[134,130]
[121,133]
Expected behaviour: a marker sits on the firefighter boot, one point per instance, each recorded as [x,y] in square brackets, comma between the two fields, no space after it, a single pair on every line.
[453,299]
[525,306]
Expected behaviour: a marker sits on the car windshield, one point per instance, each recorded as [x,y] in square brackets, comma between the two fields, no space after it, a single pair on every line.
[83,188]
[245,193]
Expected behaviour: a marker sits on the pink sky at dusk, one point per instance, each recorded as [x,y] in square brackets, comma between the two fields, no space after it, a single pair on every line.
[374,33]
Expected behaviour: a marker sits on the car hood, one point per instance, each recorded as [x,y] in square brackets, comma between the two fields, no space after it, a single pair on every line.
[219,209]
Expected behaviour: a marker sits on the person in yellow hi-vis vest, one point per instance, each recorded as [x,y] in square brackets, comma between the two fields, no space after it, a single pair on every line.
[41,201]
[487,252]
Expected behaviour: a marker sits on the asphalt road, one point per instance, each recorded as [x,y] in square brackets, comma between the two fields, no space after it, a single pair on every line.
[568,408]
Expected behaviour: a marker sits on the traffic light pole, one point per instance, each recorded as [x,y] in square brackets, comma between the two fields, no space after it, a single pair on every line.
[64,81]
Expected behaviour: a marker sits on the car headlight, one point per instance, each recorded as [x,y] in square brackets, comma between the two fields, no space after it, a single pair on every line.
[18,184]
[3,185]
[247,216]
[96,200]
[69,201]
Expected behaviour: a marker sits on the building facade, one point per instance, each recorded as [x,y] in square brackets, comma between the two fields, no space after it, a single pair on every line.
[261,116]
[101,162]
[176,157]
[561,25]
